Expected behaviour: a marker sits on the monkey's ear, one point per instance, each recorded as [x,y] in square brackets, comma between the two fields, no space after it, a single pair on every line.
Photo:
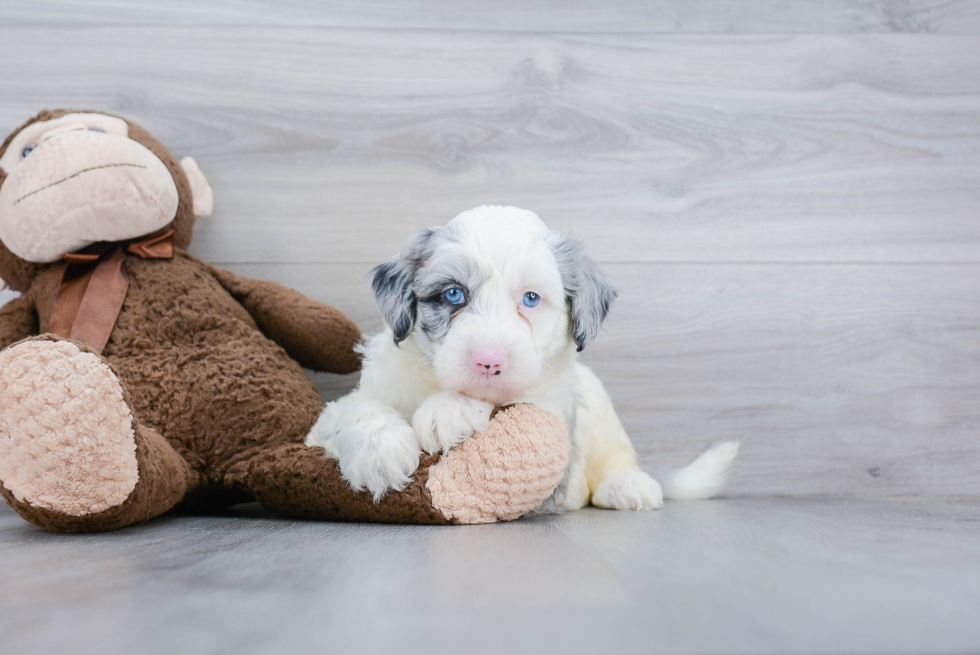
[200,189]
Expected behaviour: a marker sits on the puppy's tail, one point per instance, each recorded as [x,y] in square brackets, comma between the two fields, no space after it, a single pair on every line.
[705,476]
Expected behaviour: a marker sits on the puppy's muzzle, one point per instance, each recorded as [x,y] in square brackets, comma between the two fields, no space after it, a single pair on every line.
[489,362]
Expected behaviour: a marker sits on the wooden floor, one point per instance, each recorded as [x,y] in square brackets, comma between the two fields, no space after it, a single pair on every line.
[788,195]
[777,575]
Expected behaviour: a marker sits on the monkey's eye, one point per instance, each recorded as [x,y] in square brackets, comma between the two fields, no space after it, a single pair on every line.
[455,296]
[27,150]
[95,129]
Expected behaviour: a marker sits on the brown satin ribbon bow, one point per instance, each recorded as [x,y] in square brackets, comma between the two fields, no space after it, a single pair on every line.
[94,287]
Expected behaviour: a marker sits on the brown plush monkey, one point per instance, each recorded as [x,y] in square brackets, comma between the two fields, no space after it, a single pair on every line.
[135,377]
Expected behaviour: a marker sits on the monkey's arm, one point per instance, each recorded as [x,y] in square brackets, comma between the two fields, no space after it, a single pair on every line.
[18,320]
[316,335]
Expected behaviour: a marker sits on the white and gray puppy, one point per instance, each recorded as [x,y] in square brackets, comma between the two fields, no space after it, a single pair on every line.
[492,309]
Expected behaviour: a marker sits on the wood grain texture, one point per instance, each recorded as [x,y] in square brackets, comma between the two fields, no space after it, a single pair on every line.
[774,575]
[793,220]
[331,145]
[856,379]
[837,379]
[611,16]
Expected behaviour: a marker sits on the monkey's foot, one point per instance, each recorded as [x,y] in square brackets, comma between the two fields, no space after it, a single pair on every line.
[73,458]
[66,432]
[505,472]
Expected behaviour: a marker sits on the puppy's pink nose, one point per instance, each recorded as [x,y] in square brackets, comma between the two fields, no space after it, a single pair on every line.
[489,361]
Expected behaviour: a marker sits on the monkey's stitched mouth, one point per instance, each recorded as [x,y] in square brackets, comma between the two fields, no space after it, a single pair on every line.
[76,174]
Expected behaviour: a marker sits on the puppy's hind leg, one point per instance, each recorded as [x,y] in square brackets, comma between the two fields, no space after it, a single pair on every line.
[611,470]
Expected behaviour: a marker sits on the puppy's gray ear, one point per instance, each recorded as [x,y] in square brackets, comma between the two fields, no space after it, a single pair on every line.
[588,292]
[392,283]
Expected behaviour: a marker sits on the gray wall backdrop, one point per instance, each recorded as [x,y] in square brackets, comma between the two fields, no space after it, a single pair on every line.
[788,194]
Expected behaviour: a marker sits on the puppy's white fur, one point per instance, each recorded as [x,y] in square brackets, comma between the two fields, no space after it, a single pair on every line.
[421,391]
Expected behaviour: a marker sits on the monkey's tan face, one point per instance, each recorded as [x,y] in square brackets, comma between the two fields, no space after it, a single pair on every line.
[77,180]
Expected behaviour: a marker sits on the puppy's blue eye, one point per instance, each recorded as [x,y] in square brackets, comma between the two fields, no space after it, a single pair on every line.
[531,299]
[455,296]
[27,150]
[95,129]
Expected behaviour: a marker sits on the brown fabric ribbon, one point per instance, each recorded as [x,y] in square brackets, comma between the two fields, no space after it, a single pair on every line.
[94,286]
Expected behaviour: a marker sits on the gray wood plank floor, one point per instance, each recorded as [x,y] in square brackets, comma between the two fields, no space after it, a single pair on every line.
[774,575]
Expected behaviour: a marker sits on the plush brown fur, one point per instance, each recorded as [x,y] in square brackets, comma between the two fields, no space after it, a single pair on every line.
[210,363]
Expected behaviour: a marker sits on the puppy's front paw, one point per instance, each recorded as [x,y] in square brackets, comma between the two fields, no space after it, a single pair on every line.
[629,490]
[447,419]
[377,455]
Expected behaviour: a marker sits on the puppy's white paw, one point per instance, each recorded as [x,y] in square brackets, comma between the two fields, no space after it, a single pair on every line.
[447,419]
[629,490]
[376,449]
[378,460]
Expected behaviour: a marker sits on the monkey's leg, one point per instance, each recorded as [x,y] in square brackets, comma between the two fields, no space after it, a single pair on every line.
[498,475]
[73,457]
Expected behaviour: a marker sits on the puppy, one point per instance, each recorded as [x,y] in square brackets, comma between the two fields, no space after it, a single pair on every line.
[488,310]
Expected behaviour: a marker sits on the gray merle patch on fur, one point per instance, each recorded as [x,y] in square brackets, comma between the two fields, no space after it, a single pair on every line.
[588,292]
[392,285]
[394,282]
[434,312]
[434,317]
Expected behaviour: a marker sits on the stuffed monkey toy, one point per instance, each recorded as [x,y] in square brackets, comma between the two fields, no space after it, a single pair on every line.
[135,377]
